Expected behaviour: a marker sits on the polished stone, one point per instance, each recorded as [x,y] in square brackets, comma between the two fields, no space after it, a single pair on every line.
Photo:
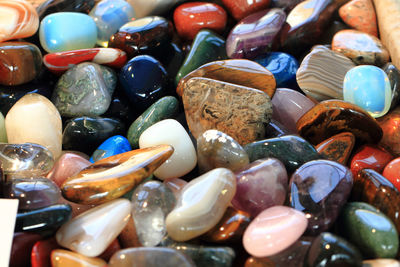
[338,147]
[112,146]
[391,172]
[360,15]
[64,258]
[40,256]
[22,247]
[52,6]
[242,8]
[369,157]
[394,77]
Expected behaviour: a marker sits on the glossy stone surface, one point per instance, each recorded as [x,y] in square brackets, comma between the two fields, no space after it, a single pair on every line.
[321,73]
[32,193]
[286,5]
[288,106]
[370,230]
[391,172]
[63,258]
[317,187]
[201,205]
[369,157]
[394,77]
[162,109]
[237,71]
[276,129]
[112,177]
[360,47]
[144,81]
[338,147]
[112,146]
[331,250]
[167,257]
[151,203]
[360,15]
[22,247]
[238,111]
[171,132]
[274,230]
[216,149]
[242,8]
[85,134]
[109,16]
[20,19]
[84,90]
[41,117]
[90,233]
[190,18]
[20,62]
[52,6]
[260,185]
[175,185]
[56,34]
[40,256]
[334,116]
[60,62]
[293,151]
[255,34]
[206,47]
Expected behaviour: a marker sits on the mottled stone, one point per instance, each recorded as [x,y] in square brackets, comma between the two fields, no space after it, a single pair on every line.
[238,111]
[360,15]
[338,147]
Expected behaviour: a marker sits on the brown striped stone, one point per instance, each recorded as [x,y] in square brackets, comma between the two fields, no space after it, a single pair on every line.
[338,147]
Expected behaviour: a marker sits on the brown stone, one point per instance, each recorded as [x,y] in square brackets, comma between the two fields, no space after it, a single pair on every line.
[338,147]
[390,125]
[238,111]
[237,71]
[331,117]
[128,238]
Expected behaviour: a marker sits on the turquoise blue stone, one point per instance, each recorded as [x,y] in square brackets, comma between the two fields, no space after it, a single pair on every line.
[283,66]
[369,88]
[64,31]
[109,16]
[112,146]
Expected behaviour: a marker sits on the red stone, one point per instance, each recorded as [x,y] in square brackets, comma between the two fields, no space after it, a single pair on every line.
[190,18]
[41,251]
[392,172]
[22,247]
[370,157]
[242,8]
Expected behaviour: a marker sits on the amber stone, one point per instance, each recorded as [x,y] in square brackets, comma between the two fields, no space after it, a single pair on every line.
[390,125]
[237,71]
[371,187]
[331,117]
[338,147]
[114,176]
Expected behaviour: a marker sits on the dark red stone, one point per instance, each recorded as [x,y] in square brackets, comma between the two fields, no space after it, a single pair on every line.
[370,157]
[242,8]
[41,251]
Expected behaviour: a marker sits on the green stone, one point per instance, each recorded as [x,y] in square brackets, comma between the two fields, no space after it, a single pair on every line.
[164,108]
[369,229]
[292,150]
[206,47]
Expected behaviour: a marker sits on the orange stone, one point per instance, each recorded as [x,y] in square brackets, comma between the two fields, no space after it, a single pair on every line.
[337,148]
[360,15]
[392,172]
[237,71]
[390,125]
[369,157]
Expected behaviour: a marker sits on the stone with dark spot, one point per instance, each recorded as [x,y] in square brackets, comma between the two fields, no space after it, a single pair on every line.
[337,148]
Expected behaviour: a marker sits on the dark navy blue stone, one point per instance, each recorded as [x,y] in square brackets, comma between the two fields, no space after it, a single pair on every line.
[144,81]
[112,146]
[283,66]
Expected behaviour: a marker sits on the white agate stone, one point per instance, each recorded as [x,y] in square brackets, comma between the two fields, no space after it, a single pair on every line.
[171,132]
[92,232]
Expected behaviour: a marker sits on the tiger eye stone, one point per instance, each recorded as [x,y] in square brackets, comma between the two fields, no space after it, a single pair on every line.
[338,147]
[331,117]
[390,124]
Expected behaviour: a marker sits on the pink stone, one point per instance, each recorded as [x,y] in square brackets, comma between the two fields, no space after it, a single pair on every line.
[274,230]
[288,106]
[66,166]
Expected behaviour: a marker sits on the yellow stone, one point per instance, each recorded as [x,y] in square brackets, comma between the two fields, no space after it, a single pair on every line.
[65,258]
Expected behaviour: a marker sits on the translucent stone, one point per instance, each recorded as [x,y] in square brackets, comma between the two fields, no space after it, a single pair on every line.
[91,232]
[25,160]
[201,205]
[151,203]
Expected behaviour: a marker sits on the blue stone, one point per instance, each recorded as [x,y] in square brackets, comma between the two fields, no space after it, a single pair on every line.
[369,88]
[112,146]
[283,66]
[109,16]
[64,31]
[144,81]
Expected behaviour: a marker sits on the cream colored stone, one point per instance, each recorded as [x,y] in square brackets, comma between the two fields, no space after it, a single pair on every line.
[3,133]
[34,119]
[171,132]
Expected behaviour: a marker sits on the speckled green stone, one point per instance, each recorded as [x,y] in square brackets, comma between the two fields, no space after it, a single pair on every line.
[206,47]
[292,150]
[163,109]
[369,229]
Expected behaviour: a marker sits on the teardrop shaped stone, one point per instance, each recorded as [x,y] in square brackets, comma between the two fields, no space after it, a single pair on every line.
[65,258]
[201,204]
[112,177]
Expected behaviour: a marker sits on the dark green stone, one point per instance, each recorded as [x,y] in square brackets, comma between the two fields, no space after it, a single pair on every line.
[328,250]
[163,109]
[206,47]
[292,150]
[369,229]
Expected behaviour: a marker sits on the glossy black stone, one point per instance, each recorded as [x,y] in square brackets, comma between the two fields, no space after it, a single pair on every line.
[121,109]
[171,57]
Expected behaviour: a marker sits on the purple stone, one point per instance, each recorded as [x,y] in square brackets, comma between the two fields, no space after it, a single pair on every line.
[261,185]
[255,34]
[320,188]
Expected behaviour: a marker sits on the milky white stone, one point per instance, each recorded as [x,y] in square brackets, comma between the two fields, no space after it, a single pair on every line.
[145,8]
[92,232]
[171,132]
[35,119]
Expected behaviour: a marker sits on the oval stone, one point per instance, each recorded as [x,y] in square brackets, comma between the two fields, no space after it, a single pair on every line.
[369,157]
[63,258]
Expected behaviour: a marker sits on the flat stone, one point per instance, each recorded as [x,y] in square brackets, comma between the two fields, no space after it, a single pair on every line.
[360,15]
[338,147]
